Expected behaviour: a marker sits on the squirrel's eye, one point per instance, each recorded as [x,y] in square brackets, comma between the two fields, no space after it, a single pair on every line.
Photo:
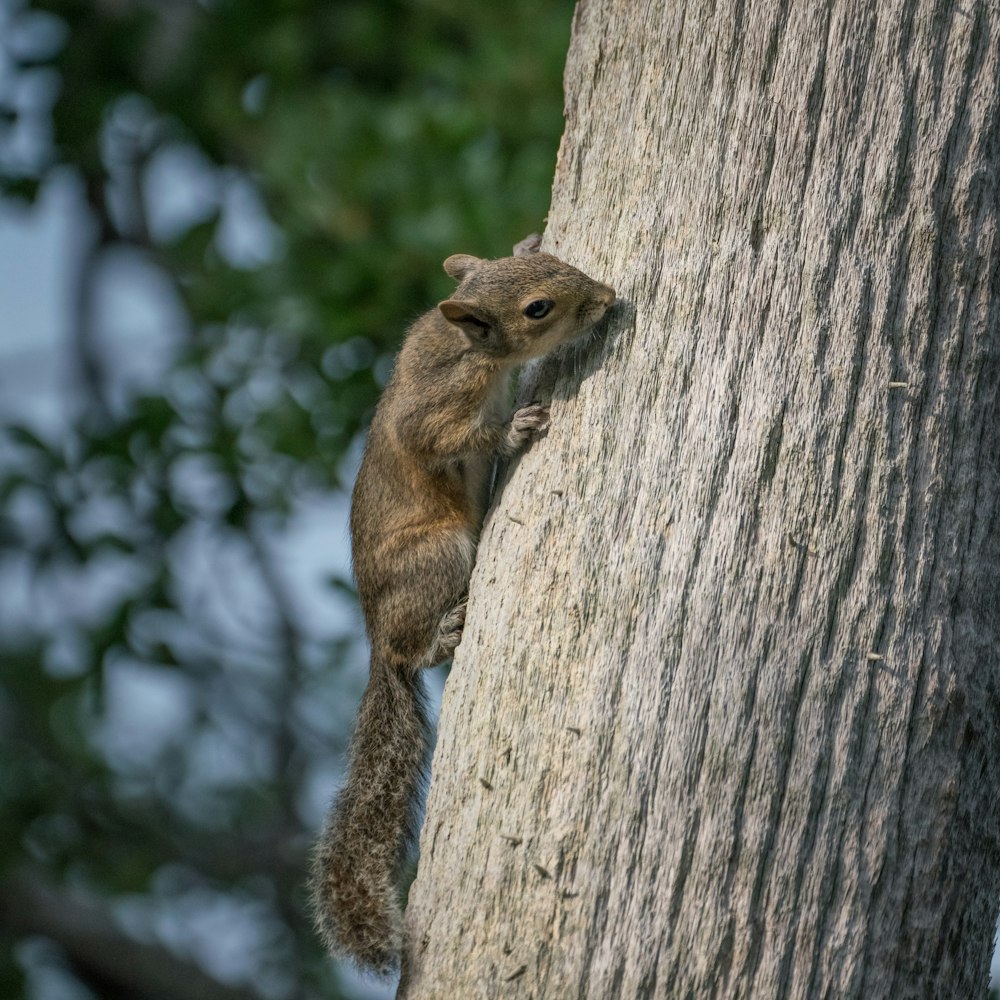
[539,308]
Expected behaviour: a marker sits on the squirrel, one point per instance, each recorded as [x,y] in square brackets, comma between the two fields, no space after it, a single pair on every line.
[416,512]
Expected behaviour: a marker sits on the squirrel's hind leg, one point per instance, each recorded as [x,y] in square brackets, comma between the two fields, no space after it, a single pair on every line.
[449,635]
[419,618]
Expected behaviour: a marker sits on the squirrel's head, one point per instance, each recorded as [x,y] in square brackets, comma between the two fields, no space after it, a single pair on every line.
[517,308]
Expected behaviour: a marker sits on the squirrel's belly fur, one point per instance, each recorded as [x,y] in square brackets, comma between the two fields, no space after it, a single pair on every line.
[415,515]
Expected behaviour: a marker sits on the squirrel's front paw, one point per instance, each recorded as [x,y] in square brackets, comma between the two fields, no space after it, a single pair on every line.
[527,422]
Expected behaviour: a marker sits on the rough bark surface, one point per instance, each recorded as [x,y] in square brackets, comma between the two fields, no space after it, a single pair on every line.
[725,719]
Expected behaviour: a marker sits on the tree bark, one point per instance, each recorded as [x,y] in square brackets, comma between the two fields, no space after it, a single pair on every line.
[724,721]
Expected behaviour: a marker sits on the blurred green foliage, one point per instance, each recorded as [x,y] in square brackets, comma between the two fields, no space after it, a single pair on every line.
[365,142]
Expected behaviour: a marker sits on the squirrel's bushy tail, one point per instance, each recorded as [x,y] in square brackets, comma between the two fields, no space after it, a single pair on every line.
[356,865]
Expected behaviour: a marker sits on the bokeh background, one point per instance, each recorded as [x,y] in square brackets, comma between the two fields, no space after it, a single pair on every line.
[217,218]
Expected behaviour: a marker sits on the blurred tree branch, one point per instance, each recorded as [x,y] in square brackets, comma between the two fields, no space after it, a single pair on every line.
[84,338]
[114,965]
[287,763]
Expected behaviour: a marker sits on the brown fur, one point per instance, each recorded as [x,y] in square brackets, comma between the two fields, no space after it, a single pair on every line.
[415,516]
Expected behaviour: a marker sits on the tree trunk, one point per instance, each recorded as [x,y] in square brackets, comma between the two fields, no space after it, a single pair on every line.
[725,721]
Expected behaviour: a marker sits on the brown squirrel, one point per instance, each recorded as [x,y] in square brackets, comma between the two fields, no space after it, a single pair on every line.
[416,512]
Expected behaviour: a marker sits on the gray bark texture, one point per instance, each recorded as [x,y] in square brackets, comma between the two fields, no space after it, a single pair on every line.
[725,720]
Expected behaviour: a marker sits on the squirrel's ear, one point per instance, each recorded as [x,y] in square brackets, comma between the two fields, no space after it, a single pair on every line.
[458,265]
[467,317]
[529,246]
